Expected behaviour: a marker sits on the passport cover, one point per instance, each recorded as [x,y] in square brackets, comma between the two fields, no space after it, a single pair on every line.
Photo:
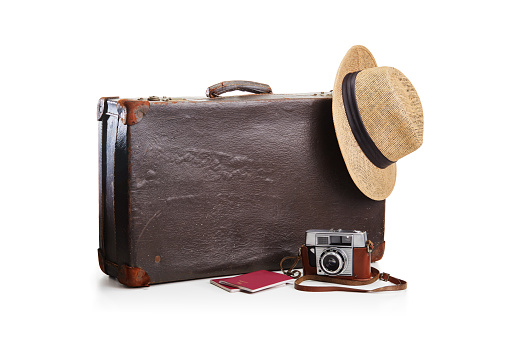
[257,281]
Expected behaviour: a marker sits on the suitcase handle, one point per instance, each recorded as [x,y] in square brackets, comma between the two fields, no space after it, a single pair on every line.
[237,85]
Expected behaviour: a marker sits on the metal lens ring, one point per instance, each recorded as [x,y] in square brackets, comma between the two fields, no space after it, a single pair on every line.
[332,261]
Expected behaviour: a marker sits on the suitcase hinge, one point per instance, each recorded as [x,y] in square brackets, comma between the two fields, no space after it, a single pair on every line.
[103,107]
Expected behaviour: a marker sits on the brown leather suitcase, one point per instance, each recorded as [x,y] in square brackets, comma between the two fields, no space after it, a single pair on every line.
[201,187]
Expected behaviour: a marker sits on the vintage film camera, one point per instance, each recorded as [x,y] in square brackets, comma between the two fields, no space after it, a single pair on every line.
[338,253]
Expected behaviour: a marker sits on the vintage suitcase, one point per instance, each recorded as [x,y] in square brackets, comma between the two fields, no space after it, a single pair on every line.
[202,187]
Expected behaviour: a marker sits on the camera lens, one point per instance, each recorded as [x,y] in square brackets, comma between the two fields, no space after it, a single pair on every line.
[332,262]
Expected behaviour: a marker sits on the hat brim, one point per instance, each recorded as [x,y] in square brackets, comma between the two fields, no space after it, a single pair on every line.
[374,182]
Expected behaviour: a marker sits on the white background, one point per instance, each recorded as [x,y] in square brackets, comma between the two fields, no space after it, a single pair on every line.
[446,221]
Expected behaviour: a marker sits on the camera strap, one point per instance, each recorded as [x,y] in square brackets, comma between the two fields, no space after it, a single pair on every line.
[398,284]
[375,276]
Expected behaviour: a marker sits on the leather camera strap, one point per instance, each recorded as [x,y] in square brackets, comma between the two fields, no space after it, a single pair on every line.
[399,284]
[375,275]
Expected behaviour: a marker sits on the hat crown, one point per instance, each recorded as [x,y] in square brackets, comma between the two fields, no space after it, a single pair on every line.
[390,110]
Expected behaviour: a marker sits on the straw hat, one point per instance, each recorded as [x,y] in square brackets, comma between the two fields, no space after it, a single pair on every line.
[378,120]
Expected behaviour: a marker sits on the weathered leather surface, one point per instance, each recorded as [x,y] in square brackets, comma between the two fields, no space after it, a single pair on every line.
[229,186]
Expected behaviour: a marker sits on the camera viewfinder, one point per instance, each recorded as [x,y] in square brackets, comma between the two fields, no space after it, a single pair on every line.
[335,240]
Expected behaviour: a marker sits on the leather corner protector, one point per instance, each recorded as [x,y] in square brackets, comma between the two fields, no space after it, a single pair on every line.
[132,112]
[133,276]
[378,252]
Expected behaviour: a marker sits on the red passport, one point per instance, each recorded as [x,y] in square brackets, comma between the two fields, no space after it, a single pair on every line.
[216,282]
[257,281]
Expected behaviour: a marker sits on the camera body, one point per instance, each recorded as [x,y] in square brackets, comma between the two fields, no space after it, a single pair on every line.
[339,253]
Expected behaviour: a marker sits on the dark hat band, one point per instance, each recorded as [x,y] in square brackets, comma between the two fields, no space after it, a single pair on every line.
[359,131]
